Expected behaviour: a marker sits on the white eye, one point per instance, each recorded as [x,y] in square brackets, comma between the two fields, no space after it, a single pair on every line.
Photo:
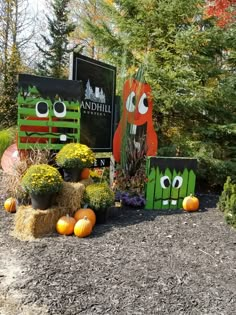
[165,182]
[41,109]
[143,104]
[130,102]
[59,109]
[177,182]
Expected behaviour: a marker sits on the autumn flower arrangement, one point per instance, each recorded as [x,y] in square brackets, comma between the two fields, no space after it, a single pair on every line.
[75,155]
[99,196]
[42,178]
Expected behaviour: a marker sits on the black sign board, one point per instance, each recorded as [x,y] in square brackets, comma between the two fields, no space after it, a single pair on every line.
[98,102]
[102,162]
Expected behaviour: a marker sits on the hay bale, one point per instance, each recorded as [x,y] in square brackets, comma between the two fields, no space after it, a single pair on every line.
[70,196]
[87,181]
[33,223]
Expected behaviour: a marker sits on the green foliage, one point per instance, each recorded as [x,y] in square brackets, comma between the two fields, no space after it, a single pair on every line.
[6,138]
[8,106]
[98,196]
[42,178]
[190,64]
[56,54]
[227,202]
[75,155]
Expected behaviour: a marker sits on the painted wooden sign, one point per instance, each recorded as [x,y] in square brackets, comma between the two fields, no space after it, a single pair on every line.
[136,124]
[169,181]
[48,112]
[98,101]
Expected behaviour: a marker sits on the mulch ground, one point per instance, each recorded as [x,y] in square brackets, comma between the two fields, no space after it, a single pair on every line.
[141,262]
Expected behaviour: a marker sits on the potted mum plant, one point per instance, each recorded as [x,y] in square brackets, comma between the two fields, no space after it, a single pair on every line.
[99,197]
[73,158]
[42,181]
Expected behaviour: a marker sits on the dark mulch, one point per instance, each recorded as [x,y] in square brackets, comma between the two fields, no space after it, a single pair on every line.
[142,262]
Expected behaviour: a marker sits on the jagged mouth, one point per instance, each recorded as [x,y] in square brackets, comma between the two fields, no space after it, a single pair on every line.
[168,202]
[62,137]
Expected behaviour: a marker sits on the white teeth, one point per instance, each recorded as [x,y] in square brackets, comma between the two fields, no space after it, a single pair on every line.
[165,202]
[174,202]
[63,137]
[137,146]
[133,129]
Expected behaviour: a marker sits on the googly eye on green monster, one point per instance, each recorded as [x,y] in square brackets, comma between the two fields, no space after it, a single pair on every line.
[41,109]
[59,109]
[165,182]
[177,182]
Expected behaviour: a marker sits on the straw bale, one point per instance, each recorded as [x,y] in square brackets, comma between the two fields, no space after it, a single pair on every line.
[87,181]
[70,196]
[32,223]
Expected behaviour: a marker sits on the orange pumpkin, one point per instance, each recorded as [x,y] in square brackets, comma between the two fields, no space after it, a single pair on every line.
[85,174]
[83,227]
[65,225]
[10,205]
[89,213]
[190,203]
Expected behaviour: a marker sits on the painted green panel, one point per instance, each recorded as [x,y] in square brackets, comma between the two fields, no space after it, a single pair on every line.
[167,191]
[191,183]
[53,146]
[150,189]
[183,188]
[54,135]
[49,123]
[174,195]
[31,112]
[158,190]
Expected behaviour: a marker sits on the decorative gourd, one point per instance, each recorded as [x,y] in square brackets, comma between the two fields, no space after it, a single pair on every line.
[85,174]
[190,203]
[10,205]
[83,227]
[89,213]
[65,225]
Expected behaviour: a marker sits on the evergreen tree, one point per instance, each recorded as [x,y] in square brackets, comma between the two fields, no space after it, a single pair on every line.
[55,55]
[190,64]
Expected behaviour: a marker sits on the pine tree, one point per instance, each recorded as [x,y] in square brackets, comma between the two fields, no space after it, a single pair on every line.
[192,74]
[55,55]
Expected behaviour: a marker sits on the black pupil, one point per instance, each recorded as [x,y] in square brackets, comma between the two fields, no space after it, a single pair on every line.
[42,107]
[166,183]
[145,102]
[59,107]
[176,183]
[133,100]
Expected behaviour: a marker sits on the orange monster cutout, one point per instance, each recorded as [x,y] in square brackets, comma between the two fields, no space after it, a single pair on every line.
[137,116]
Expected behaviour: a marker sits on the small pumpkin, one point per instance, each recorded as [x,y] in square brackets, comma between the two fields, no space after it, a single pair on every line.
[190,203]
[85,174]
[65,225]
[85,212]
[83,227]
[10,205]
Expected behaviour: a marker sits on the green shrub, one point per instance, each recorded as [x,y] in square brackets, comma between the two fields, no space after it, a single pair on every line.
[99,196]
[6,138]
[227,202]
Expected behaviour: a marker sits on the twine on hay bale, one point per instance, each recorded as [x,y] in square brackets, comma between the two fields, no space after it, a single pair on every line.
[32,223]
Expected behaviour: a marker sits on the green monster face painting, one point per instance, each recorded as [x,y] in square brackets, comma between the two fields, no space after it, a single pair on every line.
[48,112]
[169,181]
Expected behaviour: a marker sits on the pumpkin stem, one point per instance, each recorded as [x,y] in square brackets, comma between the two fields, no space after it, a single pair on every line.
[85,218]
